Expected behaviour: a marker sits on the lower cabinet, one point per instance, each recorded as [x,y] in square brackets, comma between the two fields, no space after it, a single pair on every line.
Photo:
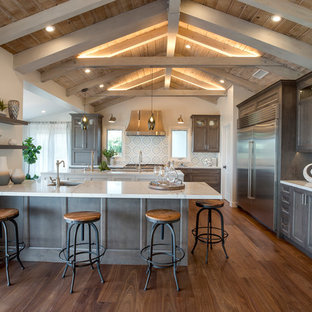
[296,217]
[210,176]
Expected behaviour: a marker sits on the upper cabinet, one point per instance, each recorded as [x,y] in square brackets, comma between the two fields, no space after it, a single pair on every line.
[304,114]
[85,141]
[206,133]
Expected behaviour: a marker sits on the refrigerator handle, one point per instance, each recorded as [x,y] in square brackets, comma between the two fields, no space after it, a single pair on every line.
[250,168]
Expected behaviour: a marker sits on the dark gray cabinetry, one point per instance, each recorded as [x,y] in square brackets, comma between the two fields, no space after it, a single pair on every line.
[304,114]
[296,218]
[206,133]
[85,141]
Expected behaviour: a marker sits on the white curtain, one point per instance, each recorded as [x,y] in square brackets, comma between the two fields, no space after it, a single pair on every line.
[54,138]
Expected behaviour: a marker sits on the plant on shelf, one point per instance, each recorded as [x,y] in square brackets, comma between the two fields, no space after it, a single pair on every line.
[30,155]
[109,154]
[103,166]
[2,106]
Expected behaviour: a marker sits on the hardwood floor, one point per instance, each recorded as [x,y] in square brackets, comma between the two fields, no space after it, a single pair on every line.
[262,274]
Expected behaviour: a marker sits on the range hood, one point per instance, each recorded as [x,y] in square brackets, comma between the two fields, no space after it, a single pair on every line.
[138,124]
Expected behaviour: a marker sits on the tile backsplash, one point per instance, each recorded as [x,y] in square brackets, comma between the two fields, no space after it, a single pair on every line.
[155,150]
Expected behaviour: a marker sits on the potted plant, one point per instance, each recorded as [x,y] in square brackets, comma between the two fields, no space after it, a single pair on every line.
[103,166]
[30,155]
[2,107]
[109,154]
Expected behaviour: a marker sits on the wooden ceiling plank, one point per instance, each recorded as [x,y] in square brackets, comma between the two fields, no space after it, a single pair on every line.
[256,36]
[89,37]
[101,106]
[97,81]
[222,74]
[47,17]
[286,9]
[173,27]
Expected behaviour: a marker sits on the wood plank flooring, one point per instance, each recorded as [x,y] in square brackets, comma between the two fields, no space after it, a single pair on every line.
[262,274]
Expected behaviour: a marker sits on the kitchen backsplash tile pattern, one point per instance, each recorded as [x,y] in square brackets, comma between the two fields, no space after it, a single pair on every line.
[155,150]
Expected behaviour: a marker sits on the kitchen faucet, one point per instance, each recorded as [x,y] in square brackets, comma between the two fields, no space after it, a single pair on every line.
[58,181]
[140,160]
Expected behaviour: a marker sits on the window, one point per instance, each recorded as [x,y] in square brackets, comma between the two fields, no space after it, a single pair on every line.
[179,143]
[114,140]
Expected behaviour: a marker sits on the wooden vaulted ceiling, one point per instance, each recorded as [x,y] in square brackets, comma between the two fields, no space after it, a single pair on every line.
[176,49]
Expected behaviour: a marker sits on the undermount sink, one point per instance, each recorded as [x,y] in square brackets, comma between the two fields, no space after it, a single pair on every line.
[65,183]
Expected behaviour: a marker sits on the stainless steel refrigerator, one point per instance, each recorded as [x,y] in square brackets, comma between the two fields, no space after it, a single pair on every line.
[256,171]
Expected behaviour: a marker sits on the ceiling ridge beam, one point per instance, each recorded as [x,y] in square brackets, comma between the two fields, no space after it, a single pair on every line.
[47,17]
[91,36]
[284,8]
[258,37]
[173,28]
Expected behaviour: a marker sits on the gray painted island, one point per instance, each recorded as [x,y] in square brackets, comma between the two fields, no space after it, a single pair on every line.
[122,204]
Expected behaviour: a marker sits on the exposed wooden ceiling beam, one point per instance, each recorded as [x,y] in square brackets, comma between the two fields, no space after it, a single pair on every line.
[155,61]
[91,36]
[173,27]
[97,81]
[222,74]
[47,17]
[100,106]
[284,8]
[253,35]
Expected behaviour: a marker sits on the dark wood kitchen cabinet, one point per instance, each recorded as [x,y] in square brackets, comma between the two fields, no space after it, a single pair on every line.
[205,133]
[296,217]
[83,142]
[304,114]
[210,176]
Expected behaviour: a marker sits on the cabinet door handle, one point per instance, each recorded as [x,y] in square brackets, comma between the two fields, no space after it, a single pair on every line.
[305,199]
[302,199]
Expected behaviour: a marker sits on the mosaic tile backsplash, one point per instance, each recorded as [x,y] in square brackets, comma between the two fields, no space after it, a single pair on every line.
[155,150]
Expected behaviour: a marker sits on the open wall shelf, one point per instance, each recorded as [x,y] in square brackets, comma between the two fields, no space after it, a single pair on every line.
[12,147]
[9,121]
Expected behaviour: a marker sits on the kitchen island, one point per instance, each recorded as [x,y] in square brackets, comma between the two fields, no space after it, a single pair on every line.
[123,228]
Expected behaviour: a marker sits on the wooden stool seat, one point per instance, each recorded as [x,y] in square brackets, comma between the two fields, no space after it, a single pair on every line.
[83,216]
[8,213]
[211,203]
[163,215]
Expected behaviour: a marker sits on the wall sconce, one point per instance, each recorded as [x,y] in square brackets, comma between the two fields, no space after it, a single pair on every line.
[180,120]
[112,119]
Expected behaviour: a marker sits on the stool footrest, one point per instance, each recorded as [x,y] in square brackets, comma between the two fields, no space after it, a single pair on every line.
[145,254]
[12,248]
[213,238]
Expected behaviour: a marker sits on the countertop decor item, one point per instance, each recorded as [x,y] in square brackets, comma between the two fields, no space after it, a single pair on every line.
[307,172]
[4,171]
[2,107]
[109,154]
[30,155]
[13,107]
[167,186]
[103,166]
[12,142]
[17,176]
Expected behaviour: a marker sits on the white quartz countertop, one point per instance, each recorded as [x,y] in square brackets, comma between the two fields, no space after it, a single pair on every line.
[302,184]
[109,189]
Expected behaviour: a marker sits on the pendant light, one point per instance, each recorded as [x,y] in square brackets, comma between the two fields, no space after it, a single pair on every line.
[180,120]
[84,120]
[151,120]
[112,119]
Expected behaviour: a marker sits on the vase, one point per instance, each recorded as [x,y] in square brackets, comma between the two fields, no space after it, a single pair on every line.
[13,108]
[17,176]
[108,160]
[4,171]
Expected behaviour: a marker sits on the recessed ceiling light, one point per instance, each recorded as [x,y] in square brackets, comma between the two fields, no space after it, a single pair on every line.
[188,46]
[87,70]
[221,81]
[101,85]
[276,18]
[50,28]
[43,111]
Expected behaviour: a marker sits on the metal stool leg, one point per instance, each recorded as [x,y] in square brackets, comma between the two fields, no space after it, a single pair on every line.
[6,252]
[149,268]
[222,231]
[196,229]
[67,248]
[208,234]
[89,228]
[74,259]
[17,244]
[173,247]
[97,251]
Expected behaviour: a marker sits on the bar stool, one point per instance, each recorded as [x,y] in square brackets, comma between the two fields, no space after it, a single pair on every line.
[9,214]
[210,234]
[80,219]
[162,217]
